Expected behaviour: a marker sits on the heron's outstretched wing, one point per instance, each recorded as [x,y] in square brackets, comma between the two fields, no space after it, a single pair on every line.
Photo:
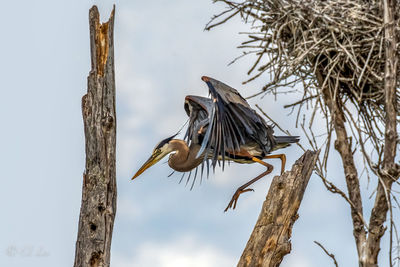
[198,109]
[232,123]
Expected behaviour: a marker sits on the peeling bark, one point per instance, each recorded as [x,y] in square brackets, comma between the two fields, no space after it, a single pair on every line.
[99,191]
[270,240]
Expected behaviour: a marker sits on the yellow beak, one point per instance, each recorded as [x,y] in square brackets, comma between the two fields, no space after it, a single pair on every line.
[150,162]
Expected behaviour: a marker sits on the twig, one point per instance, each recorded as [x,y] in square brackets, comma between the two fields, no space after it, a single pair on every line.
[327,253]
[276,124]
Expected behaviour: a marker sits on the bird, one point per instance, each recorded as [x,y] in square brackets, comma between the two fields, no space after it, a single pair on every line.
[222,128]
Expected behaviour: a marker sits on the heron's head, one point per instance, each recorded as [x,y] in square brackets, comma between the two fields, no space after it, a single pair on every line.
[160,151]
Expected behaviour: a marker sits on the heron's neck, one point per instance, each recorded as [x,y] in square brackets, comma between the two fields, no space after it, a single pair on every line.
[185,157]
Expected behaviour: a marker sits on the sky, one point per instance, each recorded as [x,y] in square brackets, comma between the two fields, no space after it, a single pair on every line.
[161,51]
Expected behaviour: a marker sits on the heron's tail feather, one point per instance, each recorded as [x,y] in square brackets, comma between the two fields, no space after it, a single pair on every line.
[285,141]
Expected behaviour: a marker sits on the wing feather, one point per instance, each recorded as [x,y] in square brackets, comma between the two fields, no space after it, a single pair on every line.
[232,123]
[224,122]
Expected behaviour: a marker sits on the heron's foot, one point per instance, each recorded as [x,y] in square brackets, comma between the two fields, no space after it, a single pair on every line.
[235,197]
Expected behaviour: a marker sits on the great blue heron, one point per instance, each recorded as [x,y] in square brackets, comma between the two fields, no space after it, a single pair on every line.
[221,128]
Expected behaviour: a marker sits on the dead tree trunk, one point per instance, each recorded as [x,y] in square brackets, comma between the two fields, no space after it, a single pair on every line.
[389,171]
[368,237]
[270,240]
[99,191]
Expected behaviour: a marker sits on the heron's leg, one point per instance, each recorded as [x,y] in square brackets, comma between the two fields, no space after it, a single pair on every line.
[243,188]
[279,156]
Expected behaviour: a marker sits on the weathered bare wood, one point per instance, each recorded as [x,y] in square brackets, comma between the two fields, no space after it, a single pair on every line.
[343,146]
[390,171]
[99,191]
[327,253]
[270,240]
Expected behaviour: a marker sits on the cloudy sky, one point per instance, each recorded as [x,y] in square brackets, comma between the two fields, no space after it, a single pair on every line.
[161,52]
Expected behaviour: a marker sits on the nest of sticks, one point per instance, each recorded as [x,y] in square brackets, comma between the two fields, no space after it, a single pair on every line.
[341,40]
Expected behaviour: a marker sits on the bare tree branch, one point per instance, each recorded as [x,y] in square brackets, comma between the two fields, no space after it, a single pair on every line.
[342,145]
[327,253]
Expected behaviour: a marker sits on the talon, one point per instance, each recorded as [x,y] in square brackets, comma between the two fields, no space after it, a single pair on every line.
[235,197]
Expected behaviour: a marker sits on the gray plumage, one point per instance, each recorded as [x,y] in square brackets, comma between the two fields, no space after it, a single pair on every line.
[225,123]
[221,128]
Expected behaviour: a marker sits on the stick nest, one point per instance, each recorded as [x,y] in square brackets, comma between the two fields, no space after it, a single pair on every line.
[343,40]
[334,45]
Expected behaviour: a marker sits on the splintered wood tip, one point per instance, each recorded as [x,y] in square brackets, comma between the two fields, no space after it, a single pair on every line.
[101,39]
[102,47]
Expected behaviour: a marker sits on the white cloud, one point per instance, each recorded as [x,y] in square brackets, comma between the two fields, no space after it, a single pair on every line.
[182,252]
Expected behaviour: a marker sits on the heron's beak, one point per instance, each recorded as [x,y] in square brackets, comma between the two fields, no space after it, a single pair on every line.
[156,157]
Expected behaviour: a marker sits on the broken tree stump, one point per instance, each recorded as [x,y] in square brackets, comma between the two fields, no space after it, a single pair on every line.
[99,190]
[270,239]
